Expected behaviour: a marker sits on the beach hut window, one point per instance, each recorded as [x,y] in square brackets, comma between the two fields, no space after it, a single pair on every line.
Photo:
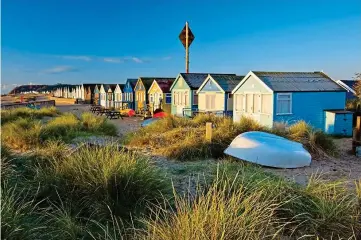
[284,103]
[168,98]
[151,99]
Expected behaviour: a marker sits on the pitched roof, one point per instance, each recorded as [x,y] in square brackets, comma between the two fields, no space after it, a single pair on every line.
[194,80]
[121,86]
[147,81]
[164,84]
[109,86]
[298,81]
[90,85]
[132,81]
[227,81]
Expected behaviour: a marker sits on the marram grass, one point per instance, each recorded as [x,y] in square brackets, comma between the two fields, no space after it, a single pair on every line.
[184,139]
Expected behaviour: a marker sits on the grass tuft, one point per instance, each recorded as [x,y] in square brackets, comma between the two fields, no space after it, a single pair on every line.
[97,124]
[14,114]
[102,177]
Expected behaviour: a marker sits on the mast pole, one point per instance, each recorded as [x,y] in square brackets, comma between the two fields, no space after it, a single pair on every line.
[187,49]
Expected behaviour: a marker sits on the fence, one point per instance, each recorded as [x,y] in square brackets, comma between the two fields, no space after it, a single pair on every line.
[41,104]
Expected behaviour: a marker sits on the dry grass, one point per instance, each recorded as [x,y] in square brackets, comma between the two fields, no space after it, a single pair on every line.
[25,134]
[184,139]
[97,124]
[13,114]
[252,205]
[21,134]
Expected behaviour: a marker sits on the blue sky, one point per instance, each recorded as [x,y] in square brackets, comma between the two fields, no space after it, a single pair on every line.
[74,41]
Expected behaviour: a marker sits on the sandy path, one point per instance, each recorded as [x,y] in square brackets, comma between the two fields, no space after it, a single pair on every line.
[125,125]
[343,167]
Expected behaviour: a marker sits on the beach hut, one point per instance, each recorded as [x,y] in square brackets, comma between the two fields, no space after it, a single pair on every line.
[89,92]
[128,93]
[184,93]
[141,92]
[96,95]
[159,95]
[118,91]
[109,89]
[270,97]
[102,96]
[77,91]
[214,95]
[82,92]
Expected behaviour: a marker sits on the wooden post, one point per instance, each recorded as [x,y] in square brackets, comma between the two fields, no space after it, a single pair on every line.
[187,49]
[209,131]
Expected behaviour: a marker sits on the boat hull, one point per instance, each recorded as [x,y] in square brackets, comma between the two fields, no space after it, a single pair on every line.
[269,150]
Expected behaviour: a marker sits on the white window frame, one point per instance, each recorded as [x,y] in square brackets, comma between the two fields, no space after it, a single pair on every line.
[277,99]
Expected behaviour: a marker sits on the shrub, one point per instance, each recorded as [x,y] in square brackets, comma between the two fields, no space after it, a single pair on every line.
[299,131]
[63,127]
[21,134]
[97,124]
[23,112]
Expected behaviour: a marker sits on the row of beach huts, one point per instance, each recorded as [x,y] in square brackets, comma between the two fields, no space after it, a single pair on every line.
[267,97]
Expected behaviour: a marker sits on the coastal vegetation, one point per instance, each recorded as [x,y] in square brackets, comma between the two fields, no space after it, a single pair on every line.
[107,193]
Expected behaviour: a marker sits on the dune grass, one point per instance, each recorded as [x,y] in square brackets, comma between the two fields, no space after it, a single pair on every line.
[24,134]
[249,204]
[101,181]
[101,193]
[21,134]
[13,114]
[184,139]
[97,124]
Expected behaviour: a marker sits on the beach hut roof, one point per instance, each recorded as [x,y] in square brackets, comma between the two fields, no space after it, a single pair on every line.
[164,83]
[298,81]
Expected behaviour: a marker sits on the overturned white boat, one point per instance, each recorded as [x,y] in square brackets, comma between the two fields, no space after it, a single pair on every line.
[269,150]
